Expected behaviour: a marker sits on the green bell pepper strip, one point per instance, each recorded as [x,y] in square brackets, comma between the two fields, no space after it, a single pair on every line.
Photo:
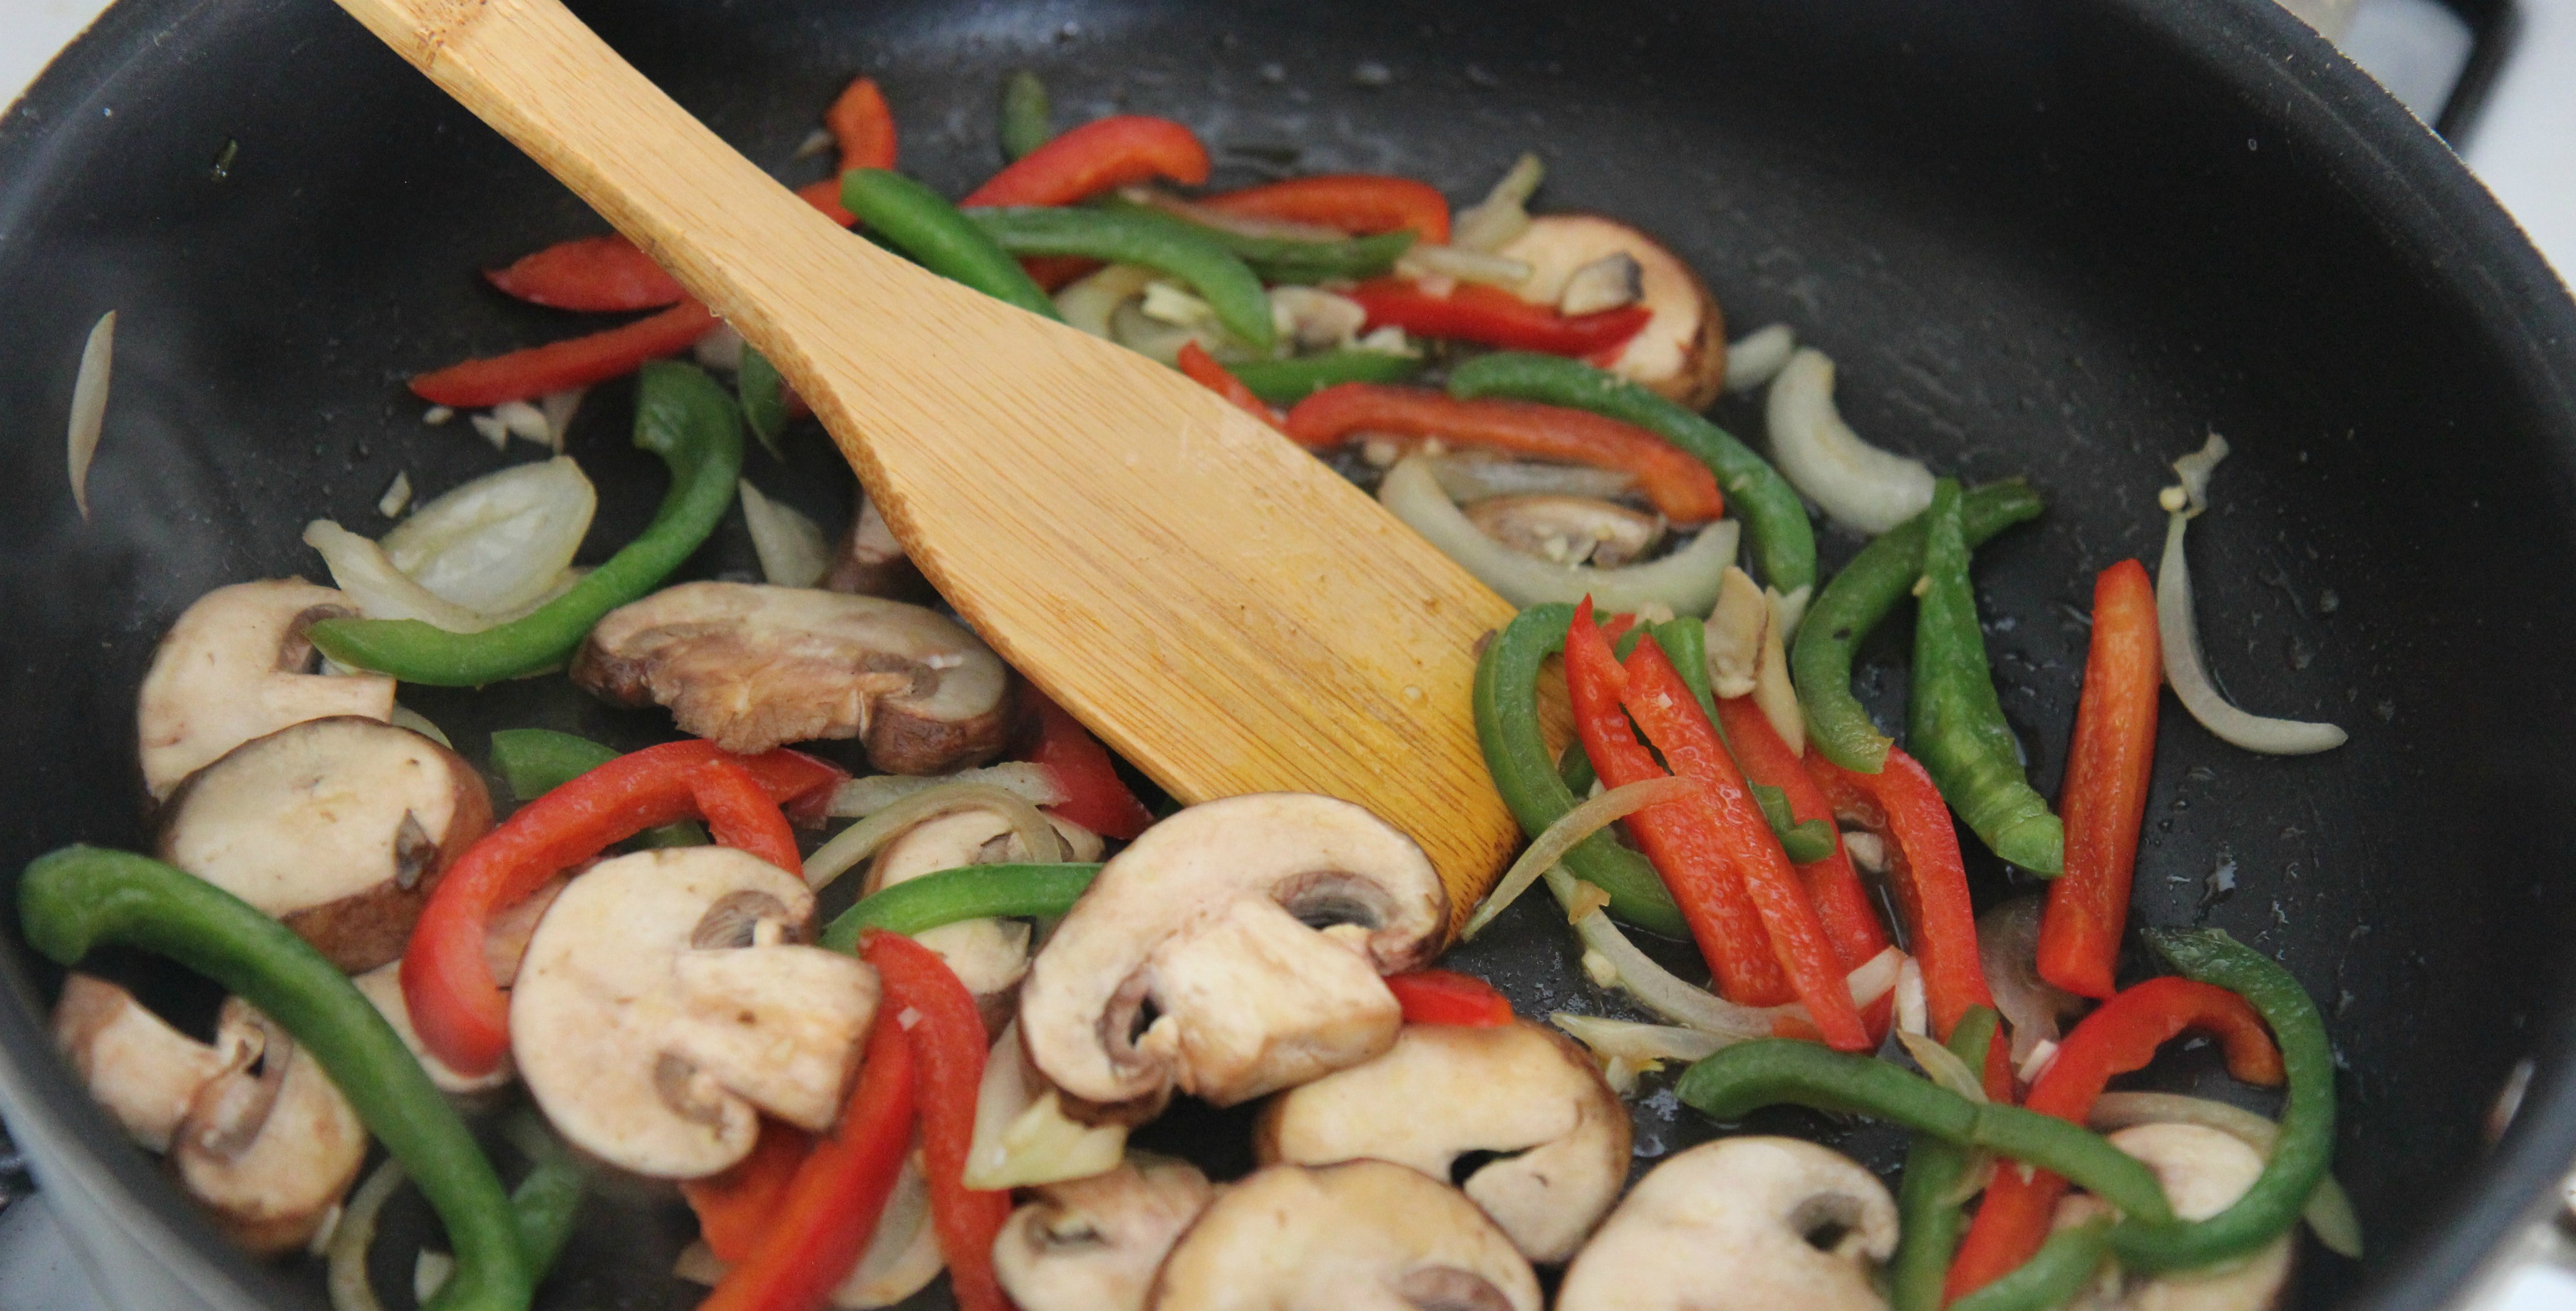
[1027,117]
[1784,543]
[2050,1278]
[536,761]
[2305,1148]
[1506,708]
[1285,259]
[1804,842]
[1928,1216]
[917,221]
[1820,662]
[76,899]
[547,1201]
[1156,241]
[1954,723]
[1286,382]
[1748,1076]
[764,399]
[682,416]
[970,892]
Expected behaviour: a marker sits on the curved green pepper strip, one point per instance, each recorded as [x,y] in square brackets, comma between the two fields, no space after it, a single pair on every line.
[1285,259]
[2050,1278]
[1784,543]
[1153,240]
[536,761]
[1748,1076]
[76,899]
[920,223]
[547,1201]
[764,399]
[1954,723]
[1286,382]
[970,892]
[1506,705]
[2305,1148]
[680,415]
[1820,662]
[1928,1216]
[1027,118]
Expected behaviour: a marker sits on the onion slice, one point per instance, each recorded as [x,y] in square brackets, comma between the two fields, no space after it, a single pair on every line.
[1943,1065]
[1022,1136]
[862,797]
[1503,215]
[861,840]
[1684,582]
[1859,485]
[2329,1211]
[1426,261]
[360,567]
[1474,478]
[356,1232]
[1088,303]
[1758,356]
[1638,1044]
[1570,828]
[89,405]
[495,544]
[2008,951]
[790,546]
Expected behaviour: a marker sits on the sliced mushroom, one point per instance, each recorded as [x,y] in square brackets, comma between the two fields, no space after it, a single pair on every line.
[1681,352]
[1232,950]
[2204,1171]
[663,999]
[1094,1244]
[754,666]
[1525,1125]
[339,827]
[988,955]
[234,668]
[1568,530]
[383,987]
[1735,631]
[1358,1234]
[269,1147]
[143,1071]
[870,562]
[1751,1223]
[1614,281]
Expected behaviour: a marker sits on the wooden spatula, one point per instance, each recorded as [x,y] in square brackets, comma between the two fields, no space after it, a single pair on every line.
[1218,605]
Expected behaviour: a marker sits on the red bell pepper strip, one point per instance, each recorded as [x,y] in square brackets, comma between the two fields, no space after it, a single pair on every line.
[862,126]
[823,1224]
[1924,870]
[1477,313]
[558,366]
[1664,707]
[735,1206]
[1206,372]
[2107,772]
[459,1011]
[1841,902]
[924,1000]
[1448,997]
[607,275]
[1359,203]
[1097,157]
[1680,839]
[2121,1036]
[742,816]
[1681,488]
[1094,796]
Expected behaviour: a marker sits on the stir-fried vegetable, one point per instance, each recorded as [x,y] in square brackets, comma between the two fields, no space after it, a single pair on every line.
[916,906]
[1929,880]
[1493,317]
[1094,796]
[924,999]
[2059,1270]
[1098,156]
[937,234]
[1206,372]
[1685,582]
[2108,771]
[559,366]
[1278,259]
[1146,239]
[1576,825]
[1840,900]
[1927,1201]
[1027,115]
[1859,485]
[1286,382]
[1352,202]
[1448,997]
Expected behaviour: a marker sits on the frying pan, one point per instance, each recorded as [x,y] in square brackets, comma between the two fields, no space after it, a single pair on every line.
[2061,238]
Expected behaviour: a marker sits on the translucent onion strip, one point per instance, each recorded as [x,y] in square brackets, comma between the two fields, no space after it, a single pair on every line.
[862,797]
[1429,261]
[1473,478]
[494,544]
[1943,1065]
[2329,1210]
[1504,213]
[1685,582]
[347,1253]
[790,546]
[1022,1136]
[1638,1044]
[2008,952]
[1088,303]
[89,405]
[360,567]
[861,840]
[1758,356]
[1572,827]
[1859,485]
[2179,634]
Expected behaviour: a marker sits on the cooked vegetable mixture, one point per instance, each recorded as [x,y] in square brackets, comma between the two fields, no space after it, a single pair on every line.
[643,969]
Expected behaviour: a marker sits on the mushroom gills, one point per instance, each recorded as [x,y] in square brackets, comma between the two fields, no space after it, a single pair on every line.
[1358,1234]
[1568,530]
[1094,1244]
[143,1071]
[1253,1002]
[1741,1224]
[237,666]
[271,1146]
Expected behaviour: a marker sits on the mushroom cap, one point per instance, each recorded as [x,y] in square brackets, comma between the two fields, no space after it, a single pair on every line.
[339,827]
[1567,530]
[870,562]
[1519,1091]
[988,955]
[754,666]
[233,668]
[1358,1234]
[1233,950]
[662,999]
[382,986]
[143,1071]
[1681,352]
[1094,1244]
[271,1146]
[2203,1171]
[1749,1223]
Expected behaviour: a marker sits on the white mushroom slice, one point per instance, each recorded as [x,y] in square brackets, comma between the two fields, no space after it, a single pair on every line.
[143,1071]
[2203,1171]
[270,1147]
[870,562]
[1568,530]
[505,939]
[1681,352]
[1359,1234]
[1094,1244]
[1232,950]
[1614,281]
[754,666]
[234,668]
[1529,1100]
[339,827]
[1735,630]
[382,986]
[1740,1224]
[662,1000]
[987,955]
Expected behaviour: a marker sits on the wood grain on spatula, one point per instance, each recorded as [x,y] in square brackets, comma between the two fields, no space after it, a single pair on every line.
[1218,605]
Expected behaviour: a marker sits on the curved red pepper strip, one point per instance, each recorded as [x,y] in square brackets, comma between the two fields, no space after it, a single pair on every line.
[736,1205]
[1929,879]
[1678,838]
[1096,157]
[924,999]
[1681,488]
[460,1013]
[1353,202]
[742,816]
[822,1227]
[607,275]
[1841,902]
[1448,997]
[1094,796]
[2107,775]
[557,366]
[862,126]
[1477,313]
[2121,1036]
[1206,372]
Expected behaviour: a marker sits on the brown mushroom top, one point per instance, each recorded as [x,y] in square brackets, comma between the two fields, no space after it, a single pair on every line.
[236,667]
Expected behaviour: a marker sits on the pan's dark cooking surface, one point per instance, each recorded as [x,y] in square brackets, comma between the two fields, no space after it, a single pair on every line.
[2046,237]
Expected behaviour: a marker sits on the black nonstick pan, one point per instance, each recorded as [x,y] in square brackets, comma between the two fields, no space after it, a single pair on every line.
[2061,238]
